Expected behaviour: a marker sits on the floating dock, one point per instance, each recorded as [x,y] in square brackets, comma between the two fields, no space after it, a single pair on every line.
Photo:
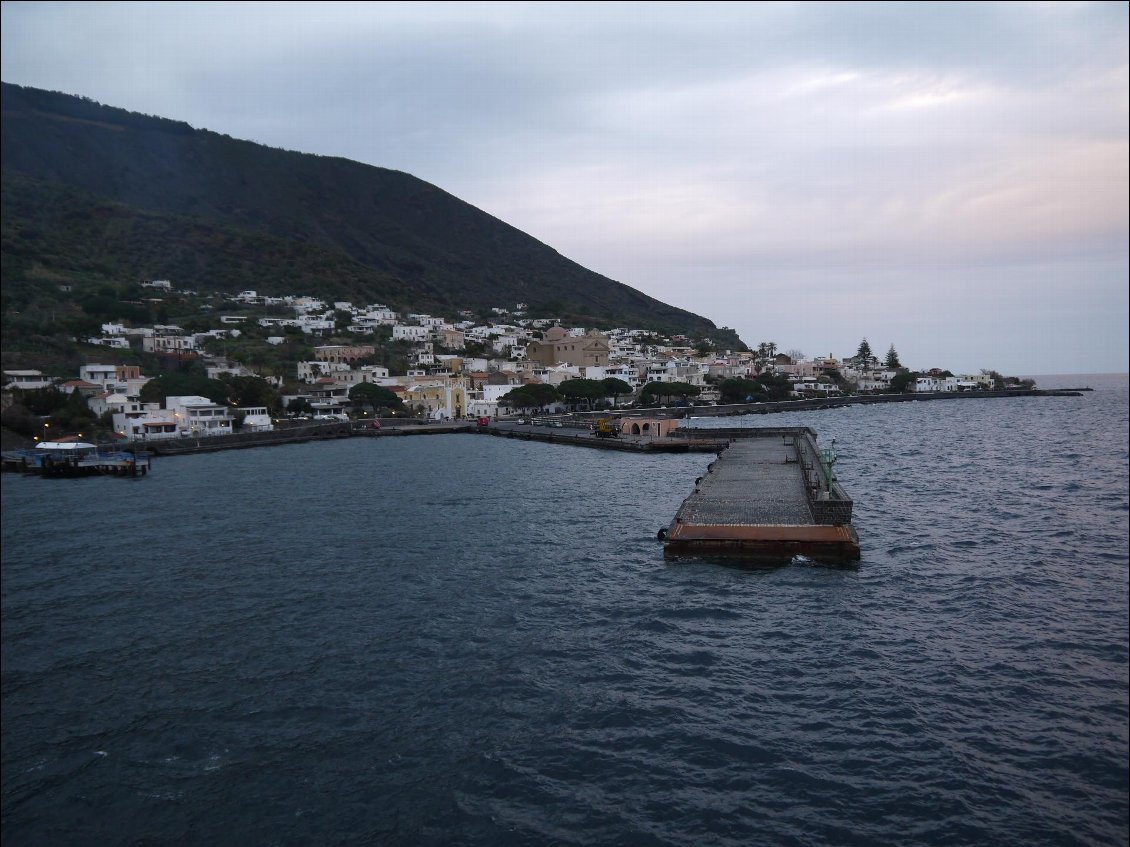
[49,464]
[771,495]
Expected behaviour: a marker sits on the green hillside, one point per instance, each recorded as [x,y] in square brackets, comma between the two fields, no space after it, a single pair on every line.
[94,195]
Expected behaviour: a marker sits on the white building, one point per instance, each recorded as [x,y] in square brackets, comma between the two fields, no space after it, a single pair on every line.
[115,342]
[946,384]
[812,388]
[491,394]
[311,325]
[196,416]
[313,371]
[927,384]
[217,368]
[378,315]
[147,424]
[104,375]
[372,373]
[26,380]
[168,343]
[256,419]
[402,332]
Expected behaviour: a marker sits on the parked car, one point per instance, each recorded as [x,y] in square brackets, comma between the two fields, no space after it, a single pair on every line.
[374,424]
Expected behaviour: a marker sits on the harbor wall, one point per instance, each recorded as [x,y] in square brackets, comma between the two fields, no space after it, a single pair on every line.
[769,407]
[212,443]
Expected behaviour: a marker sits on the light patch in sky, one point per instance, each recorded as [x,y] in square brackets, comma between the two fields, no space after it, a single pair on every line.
[949,177]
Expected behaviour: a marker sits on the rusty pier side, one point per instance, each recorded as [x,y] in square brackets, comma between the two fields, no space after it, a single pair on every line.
[767,498]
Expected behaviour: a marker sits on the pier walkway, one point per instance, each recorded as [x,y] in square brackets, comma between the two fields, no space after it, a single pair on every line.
[767,498]
[579,434]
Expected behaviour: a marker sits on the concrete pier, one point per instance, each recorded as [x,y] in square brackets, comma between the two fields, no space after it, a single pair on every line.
[578,434]
[767,498]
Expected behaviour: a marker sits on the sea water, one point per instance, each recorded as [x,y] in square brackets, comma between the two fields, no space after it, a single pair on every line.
[470,640]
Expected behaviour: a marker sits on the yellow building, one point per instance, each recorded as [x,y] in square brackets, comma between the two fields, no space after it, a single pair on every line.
[439,398]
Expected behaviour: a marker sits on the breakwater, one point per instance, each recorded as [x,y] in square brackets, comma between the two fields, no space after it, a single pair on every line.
[242,440]
[769,407]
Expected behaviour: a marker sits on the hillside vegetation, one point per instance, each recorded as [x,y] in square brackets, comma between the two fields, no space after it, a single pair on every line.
[94,195]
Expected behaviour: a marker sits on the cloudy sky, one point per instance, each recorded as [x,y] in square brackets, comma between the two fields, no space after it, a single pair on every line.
[948,178]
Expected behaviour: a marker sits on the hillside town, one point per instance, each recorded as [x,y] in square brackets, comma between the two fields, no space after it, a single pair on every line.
[456,367]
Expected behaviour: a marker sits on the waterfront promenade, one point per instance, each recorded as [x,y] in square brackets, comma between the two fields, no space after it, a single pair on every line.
[574,427]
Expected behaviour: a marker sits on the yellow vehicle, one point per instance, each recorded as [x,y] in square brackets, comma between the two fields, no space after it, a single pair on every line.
[606,428]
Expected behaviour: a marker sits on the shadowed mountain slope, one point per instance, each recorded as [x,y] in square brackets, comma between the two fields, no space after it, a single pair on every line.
[96,194]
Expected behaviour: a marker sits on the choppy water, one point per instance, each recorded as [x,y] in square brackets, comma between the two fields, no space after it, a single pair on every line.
[466,640]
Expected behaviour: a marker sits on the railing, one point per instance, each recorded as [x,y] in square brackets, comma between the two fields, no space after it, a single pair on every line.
[827,499]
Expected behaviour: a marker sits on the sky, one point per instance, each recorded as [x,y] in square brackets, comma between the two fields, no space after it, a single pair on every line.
[948,178]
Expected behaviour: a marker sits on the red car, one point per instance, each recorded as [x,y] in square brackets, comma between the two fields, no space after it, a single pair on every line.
[374,424]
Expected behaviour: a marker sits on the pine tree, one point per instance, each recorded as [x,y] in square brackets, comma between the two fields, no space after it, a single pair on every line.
[863,354]
[893,362]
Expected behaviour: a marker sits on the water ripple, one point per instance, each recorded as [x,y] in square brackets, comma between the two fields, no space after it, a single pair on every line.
[465,640]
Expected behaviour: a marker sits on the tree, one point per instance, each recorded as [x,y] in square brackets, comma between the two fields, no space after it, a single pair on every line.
[531,396]
[299,406]
[892,361]
[252,391]
[577,390]
[864,353]
[42,401]
[20,420]
[775,386]
[614,387]
[190,380]
[998,380]
[901,380]
[655,390]
[377,396]
[74,415]
[738,390]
